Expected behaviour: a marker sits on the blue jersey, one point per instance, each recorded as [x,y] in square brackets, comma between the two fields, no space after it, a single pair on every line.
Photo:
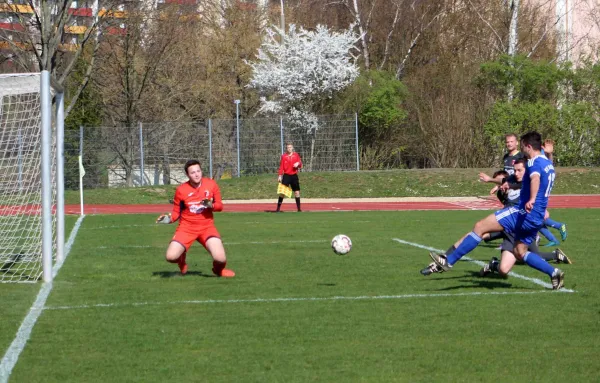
[543,167]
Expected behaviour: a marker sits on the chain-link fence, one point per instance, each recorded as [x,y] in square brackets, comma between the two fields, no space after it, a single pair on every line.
[154,153]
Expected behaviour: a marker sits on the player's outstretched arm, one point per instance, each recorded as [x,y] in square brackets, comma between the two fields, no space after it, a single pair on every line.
[217,202]
[178,205]
[535,186]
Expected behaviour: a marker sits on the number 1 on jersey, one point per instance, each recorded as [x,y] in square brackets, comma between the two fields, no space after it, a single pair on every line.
[551,177]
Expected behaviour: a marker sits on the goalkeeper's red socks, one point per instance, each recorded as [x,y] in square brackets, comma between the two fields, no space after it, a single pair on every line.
[220,271]
[182,264]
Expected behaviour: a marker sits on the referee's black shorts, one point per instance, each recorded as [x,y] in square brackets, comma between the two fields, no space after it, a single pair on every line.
[292,181]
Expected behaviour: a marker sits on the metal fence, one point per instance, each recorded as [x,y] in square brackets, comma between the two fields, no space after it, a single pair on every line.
[154,153]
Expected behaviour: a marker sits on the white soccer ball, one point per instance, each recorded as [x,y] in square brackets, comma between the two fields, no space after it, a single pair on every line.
[341,244]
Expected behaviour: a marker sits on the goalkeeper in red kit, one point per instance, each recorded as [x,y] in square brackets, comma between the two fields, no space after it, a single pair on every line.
[193,206]
[288,173]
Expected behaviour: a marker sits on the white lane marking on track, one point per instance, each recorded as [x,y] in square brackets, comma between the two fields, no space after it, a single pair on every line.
[512,274]
[18,344]
[300,299]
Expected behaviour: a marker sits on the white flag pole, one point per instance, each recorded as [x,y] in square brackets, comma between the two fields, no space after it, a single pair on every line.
[81,174]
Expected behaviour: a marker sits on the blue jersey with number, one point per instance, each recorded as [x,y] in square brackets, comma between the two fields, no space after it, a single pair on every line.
[541,166]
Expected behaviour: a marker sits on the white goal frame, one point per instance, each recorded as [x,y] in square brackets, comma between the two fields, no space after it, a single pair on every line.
[51,129]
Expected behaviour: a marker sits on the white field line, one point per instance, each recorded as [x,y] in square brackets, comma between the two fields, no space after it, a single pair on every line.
[512,274]
[240,222]
[300,299]
[18,344]
[224,243]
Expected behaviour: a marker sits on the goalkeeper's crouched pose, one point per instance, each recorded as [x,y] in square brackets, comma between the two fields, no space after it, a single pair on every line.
[193,206]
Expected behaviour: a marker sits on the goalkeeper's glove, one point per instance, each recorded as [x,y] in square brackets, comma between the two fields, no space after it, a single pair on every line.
[207,203]
[164,218]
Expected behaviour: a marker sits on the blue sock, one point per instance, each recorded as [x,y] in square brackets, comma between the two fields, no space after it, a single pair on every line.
[470,242]
[552,223]
[538,263]
[549,236]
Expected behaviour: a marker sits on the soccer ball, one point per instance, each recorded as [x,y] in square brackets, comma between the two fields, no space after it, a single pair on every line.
[341,244]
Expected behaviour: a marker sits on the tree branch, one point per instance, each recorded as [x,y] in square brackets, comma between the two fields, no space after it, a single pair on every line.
[500,42]
[388,39]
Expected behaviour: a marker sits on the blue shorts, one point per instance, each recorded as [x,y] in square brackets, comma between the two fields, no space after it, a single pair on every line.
[518,223]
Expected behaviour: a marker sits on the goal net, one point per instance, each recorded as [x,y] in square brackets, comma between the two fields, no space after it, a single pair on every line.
[21,218]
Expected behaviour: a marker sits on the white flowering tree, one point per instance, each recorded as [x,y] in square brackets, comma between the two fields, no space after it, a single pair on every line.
[294,71]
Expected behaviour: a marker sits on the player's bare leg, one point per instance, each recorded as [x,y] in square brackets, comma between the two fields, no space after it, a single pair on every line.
[215,247]
[506,263]
[487,225]
[176,254]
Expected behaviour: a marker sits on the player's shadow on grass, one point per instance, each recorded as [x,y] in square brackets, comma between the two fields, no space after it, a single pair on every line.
[177,274]
[472,279]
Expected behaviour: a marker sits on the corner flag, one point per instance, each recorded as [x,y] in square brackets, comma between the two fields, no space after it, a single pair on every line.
[81,169]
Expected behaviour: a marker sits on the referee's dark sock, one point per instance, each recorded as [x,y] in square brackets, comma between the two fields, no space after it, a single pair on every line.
[298,203]
[279,202]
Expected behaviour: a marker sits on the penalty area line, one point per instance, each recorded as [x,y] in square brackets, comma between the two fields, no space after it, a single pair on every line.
[512,273]
[299,299]
[18,344]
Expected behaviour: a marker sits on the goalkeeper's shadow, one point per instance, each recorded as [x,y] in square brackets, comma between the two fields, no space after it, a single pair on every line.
[177,274]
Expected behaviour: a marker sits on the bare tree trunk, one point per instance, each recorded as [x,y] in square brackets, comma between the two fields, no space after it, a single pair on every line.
[513,39]
[388,39]
[166,165]
[363,33]
[313,138]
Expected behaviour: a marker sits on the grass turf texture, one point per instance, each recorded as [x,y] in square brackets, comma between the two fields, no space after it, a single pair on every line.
[393,183]
[150,334]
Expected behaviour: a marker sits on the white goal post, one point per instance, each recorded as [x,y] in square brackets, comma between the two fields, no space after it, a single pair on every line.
[31,176]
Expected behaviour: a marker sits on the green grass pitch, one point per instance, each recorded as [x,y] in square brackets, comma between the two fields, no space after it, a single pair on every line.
[296,312]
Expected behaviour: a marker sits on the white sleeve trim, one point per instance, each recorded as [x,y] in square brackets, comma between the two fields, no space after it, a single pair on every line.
[534,173]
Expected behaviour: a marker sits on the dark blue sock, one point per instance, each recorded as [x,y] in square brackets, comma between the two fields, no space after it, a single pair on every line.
[549,236]
[538,263]
[470,242]
[552,223]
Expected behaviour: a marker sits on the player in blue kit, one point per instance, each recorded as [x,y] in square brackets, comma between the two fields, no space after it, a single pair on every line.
[523,221]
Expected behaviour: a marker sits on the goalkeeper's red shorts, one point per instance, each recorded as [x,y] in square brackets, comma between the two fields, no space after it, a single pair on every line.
[186,236]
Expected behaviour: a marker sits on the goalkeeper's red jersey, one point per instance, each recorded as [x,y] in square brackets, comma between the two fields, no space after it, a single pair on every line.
[187,204]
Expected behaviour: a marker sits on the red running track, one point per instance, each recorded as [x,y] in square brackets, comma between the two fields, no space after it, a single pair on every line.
[559,201]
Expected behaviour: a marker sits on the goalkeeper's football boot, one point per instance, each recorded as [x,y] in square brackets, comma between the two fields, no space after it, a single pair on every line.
[561,257]
[440,260]
[431,268]
[225,273]
[557,279]
[490,267]
[563,232]
[182,264]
